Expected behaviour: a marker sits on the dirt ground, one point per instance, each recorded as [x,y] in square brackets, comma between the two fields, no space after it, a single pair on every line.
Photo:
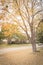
[22,57]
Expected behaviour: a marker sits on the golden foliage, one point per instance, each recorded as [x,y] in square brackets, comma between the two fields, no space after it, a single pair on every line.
[9,29]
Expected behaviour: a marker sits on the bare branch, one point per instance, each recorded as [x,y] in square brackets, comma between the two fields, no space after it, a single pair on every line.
[38,12]
[22,20]
[27,12]
[21,15]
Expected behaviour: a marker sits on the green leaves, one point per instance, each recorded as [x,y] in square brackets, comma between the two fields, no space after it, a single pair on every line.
[1,35]
[40,32]
[40,37]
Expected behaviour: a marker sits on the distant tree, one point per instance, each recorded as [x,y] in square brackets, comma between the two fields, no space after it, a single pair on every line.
[8,30]
[1,36]
[40,37]
[40,32]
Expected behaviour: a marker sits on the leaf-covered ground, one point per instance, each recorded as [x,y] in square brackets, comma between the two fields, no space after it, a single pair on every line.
[22,57]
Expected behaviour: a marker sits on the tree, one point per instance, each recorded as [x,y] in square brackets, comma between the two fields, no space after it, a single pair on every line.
[40,32]
[40,37]
[28,11]
[9,30]
[1,36]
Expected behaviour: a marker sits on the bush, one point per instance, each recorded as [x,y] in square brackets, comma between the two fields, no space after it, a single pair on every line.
[1,37]
[40,37]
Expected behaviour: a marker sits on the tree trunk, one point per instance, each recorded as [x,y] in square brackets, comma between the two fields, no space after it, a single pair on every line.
[33,44]
[33,41]
[9,41]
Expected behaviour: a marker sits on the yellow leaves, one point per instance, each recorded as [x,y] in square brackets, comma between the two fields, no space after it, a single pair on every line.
[1,16]
[9,29]
[6,26]
[2,1]
[17,13]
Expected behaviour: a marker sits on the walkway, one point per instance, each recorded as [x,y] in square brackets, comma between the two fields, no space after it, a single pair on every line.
[6,50]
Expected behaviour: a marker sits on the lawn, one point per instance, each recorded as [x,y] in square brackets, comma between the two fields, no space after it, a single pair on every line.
[22,57]
[13,45]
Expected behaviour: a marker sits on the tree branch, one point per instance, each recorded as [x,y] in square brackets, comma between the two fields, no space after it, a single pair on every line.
[38,12]
[22,19]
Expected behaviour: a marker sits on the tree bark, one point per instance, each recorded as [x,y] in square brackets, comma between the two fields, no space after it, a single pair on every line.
[33,41]
[34,46]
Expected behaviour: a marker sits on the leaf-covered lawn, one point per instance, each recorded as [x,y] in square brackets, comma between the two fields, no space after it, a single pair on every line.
[22,57]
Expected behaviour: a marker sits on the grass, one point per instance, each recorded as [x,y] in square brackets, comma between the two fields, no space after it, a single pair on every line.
[22,57]
[12,45]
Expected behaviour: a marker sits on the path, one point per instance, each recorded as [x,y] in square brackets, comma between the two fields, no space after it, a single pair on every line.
[6,50]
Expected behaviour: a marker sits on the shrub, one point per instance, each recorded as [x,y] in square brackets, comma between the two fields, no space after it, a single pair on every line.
[40,37]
